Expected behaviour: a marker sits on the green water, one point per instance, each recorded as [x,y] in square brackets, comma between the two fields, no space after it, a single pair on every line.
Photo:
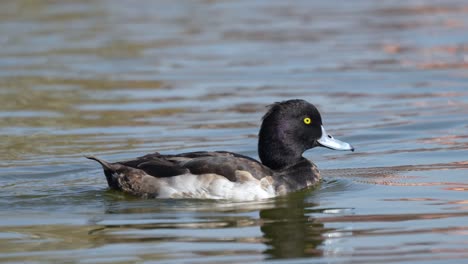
[118,79]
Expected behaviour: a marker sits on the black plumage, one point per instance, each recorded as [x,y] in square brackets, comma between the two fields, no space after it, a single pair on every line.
[284,135]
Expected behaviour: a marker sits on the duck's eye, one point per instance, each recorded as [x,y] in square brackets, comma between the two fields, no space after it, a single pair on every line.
[307,121]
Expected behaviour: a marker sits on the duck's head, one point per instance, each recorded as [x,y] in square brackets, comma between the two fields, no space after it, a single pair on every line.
[288,129]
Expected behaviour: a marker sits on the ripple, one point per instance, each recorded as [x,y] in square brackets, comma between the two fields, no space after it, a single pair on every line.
[389,77]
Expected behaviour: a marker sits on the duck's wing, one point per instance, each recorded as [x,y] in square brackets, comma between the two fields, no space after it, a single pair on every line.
[155,165]
[226,164]
[222,163]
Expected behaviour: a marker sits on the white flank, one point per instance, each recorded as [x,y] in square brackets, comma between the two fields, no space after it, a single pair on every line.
[213,186]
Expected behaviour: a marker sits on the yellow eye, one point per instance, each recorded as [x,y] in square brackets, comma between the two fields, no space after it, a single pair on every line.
[307,121]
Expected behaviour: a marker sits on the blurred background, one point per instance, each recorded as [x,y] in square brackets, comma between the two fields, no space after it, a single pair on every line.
[118,79]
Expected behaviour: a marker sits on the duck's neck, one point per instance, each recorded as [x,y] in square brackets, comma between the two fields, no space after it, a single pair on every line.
[275,151]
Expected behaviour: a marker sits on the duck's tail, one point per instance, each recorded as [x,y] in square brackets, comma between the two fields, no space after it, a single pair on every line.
[110,170]
[105,165]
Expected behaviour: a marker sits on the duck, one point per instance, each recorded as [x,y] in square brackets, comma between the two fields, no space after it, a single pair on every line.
[288,129]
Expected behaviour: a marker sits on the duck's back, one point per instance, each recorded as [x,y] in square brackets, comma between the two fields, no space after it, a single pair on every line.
[223,163]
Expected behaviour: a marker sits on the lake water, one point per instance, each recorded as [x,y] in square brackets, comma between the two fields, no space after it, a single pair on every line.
[119,79]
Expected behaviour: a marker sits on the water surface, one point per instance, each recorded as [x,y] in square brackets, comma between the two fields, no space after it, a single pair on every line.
[121,79]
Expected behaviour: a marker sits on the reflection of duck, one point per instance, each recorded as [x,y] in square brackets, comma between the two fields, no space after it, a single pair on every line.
[289,128]
[289,232]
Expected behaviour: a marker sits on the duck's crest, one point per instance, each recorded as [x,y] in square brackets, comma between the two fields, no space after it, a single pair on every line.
[278,105]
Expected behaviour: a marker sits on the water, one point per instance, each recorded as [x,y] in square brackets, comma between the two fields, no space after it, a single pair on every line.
[121,79]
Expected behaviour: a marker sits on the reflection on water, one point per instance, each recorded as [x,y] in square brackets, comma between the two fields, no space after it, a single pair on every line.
[123,79]
[288,231]
[282,229]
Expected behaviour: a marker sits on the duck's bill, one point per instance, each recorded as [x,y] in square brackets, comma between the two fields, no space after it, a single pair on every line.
[329,142]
